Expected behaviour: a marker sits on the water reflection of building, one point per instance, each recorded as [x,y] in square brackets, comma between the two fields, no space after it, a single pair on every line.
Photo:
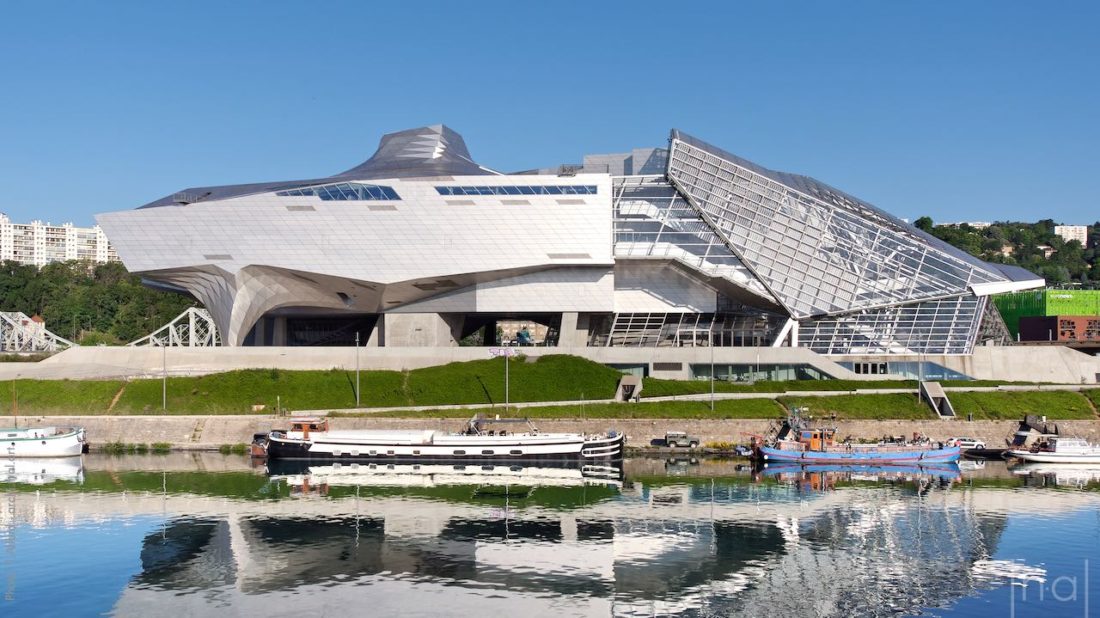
[686,547]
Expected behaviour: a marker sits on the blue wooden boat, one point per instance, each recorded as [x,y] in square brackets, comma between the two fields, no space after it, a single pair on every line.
[796,443]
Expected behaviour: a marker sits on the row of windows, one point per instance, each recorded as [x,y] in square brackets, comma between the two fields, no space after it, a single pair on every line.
[344,191]
[520,190]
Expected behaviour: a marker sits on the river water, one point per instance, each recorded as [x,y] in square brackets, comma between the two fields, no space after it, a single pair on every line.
[206,534]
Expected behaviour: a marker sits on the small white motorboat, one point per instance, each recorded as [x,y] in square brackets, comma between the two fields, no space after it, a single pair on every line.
[1059,450]
[41,441]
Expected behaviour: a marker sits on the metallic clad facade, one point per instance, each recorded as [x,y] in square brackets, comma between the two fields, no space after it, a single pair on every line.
[686,246]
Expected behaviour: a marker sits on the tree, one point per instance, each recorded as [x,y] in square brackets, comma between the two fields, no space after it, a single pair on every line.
[924,224]
[100,302]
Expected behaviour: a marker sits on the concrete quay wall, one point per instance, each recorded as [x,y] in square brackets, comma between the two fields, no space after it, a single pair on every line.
[209,432]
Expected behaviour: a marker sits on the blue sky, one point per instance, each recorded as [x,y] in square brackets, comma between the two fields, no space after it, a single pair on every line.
[957,110]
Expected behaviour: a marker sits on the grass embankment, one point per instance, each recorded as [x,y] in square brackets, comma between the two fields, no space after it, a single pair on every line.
[543,379]
[653,387]
[546,378]
[1057,405]
[723,409]
[1094,396]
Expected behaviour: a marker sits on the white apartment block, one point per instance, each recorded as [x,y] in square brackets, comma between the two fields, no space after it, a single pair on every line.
[1080,233]
[40,243]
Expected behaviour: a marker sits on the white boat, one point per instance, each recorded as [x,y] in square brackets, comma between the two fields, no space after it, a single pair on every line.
[311,438]
[39,471]
[1059,450]
[41,441]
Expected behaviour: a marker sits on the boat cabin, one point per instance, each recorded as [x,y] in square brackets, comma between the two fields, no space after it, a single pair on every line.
[816,439]
[303,426]
[1072,446]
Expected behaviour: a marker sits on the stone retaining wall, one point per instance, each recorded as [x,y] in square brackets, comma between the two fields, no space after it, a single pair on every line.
[203,432]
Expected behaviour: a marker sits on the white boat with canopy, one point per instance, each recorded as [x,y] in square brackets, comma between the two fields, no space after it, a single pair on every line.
[41,441]
[1057,449]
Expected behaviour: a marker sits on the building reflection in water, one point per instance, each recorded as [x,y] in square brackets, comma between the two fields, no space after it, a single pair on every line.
[830,544]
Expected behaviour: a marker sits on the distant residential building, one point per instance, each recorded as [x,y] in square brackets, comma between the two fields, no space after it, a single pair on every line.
[978,225]
[40,243]
[1080,233]
[1046,249]
[1007,250]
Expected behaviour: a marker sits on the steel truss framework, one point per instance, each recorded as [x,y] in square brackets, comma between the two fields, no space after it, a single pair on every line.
[817,256]
[19,333]
[652,221]
[934,327]
[855,278]
[194,328]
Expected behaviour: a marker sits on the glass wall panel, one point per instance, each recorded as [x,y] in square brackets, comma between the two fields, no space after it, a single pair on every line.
[818,250]
[947,326]
[749,327]
[753,372]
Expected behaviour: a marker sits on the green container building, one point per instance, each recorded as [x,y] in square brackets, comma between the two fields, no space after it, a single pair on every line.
[1046,303]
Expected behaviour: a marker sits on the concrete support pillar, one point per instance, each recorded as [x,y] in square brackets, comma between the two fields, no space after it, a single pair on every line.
[573,332]
[278,331]
[420,330]
[376,338]
[258,332]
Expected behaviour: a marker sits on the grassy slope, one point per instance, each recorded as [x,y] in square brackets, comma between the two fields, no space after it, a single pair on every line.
[1061,405]
[890,406]
[58,396]
[730,408]
[654,387]
[1094,396]
[551,378]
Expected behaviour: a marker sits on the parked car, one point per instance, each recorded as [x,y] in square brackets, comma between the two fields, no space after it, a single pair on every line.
[675,439]
[967,443]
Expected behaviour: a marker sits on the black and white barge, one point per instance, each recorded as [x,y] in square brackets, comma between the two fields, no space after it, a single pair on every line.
[481,440]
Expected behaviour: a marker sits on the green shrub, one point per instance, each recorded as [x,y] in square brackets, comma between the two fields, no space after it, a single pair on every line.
[115,448]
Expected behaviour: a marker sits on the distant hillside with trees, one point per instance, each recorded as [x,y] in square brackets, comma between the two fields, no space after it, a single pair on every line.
[88,303]
[1033,246]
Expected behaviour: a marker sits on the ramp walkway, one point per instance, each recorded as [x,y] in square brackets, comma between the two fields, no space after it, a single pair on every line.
[933,393]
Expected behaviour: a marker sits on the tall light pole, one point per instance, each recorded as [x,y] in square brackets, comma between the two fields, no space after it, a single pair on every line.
[356,369]
[164,378]
[712,371]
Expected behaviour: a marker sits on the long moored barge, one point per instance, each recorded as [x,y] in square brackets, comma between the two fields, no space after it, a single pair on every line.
[481,439]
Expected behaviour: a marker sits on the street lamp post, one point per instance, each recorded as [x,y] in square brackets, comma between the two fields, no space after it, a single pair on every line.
[712,372]
[164,378]
[356,369]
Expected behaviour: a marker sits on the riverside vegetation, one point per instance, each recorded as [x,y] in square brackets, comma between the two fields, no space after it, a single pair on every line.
[546,379]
